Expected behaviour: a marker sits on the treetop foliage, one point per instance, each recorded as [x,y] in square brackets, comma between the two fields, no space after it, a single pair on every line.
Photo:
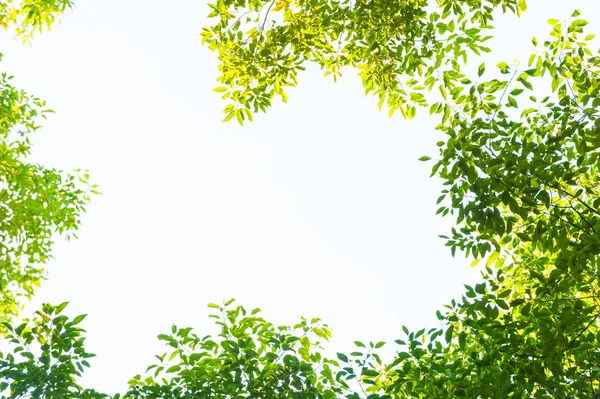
[36,202]
[401,48]
[28,16]
[519,164]
[47,356]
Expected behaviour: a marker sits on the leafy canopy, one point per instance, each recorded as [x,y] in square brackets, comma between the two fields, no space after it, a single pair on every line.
[47,356]
[400,48]
[519,164]
[28,16]
[36,202]
[250,357]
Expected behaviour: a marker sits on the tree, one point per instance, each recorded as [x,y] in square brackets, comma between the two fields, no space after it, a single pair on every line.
[35,202]
[28,16]
[402,49]
[520,175]
[47,356]
[250,357]
[520,170]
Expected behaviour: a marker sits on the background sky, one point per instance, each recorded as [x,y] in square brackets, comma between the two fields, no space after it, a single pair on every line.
[318,208]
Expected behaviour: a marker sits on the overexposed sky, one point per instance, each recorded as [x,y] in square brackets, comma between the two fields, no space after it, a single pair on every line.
[318,208]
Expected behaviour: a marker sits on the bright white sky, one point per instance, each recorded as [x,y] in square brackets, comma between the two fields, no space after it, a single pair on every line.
[319,208]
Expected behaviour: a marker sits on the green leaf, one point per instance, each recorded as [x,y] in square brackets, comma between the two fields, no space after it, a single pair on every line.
[230,115]
[523,5]
[58,309]
[164,337]
[79,318]
[462,339]
[516,92]
[370,373]
[503,66]
[449,333]
[342,357]
[173,369]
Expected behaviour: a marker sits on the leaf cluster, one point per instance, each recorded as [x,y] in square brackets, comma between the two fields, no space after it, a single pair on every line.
[36,202]
[29,16]
[46,358]
[520,168]
[519,164]
[249,358]
[399,47]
